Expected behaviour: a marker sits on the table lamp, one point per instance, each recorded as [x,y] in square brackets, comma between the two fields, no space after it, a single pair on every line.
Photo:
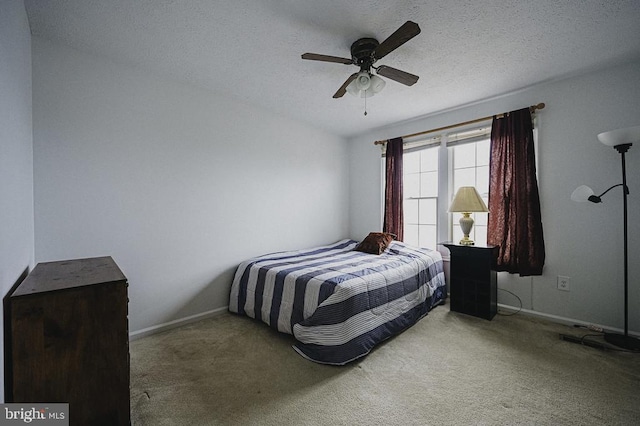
[467,201]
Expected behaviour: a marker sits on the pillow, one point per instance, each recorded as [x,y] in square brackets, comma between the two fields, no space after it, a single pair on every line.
[375,243]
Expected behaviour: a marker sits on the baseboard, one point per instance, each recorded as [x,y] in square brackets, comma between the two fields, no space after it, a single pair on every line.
[563,320]
[139,334]
[215,312]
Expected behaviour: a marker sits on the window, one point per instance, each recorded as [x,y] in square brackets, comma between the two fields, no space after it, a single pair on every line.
[420,188]
[470,167]
[433,170]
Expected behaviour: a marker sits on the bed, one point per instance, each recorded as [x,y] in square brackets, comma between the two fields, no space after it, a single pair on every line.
[336,301]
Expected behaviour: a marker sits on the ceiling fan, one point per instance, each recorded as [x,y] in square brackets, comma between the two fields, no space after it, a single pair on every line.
[364,53]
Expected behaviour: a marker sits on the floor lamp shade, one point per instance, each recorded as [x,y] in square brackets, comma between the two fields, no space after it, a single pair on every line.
[628,135]
[467,201]
[582,194]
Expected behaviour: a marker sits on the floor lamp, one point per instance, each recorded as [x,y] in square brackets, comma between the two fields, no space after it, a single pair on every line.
[621,140]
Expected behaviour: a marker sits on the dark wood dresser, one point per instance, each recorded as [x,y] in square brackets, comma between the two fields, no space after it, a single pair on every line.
[473,287]
[70,340]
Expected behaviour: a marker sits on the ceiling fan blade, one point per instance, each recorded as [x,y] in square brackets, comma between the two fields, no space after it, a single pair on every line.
[343,89]
[397,75]
[406,32]
[326,58]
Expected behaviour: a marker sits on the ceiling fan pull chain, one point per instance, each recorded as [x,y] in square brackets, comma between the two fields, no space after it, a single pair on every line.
[365,103]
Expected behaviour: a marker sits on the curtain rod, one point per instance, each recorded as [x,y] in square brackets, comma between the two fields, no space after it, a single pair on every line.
[532,108]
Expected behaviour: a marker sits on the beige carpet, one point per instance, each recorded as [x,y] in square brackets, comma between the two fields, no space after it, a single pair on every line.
[449,369]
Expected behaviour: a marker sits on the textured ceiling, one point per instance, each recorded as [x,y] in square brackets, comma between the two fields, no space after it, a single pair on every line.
[468,50]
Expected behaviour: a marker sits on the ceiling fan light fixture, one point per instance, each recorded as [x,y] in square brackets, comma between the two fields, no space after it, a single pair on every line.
[365,85]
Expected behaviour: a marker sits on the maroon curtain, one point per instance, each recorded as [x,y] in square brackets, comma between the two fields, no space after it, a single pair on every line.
[393,212]
[515,223]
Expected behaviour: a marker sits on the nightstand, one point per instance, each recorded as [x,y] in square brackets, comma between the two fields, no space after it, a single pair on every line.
[473,280]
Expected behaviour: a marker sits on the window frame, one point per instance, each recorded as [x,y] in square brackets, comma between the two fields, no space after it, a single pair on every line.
[444,140]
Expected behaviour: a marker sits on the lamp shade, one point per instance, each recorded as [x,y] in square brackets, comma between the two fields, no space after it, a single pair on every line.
[620,136]
[363,80]
[352,88]
[581,194]
[377,84]
[467,200]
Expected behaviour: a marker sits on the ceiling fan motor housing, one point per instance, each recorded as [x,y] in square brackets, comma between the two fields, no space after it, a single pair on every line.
[362,52]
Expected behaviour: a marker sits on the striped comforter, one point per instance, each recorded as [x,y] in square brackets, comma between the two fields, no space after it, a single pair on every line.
[339,303]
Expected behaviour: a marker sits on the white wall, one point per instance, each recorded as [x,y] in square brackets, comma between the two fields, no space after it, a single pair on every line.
[16,149]
[583,241]
[177,184]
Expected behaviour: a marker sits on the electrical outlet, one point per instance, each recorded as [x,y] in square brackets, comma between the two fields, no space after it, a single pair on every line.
[563,283]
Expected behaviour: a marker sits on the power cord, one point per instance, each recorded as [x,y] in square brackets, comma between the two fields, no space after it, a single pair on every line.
[519,300]
[586,339]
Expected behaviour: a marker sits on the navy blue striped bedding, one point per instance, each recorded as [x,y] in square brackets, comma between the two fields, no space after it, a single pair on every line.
[337,302]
